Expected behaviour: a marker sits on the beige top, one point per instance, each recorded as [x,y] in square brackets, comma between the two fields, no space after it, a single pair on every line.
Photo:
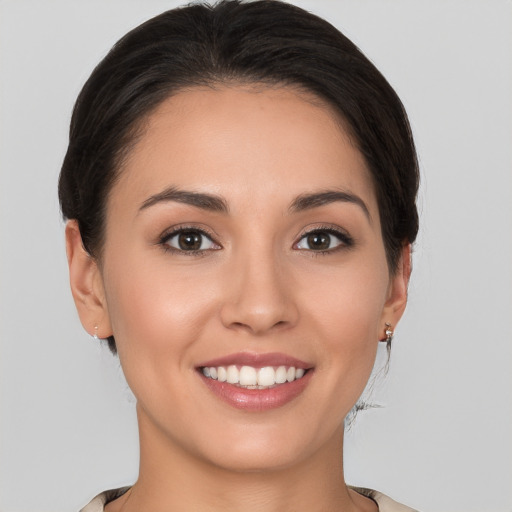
[384,503]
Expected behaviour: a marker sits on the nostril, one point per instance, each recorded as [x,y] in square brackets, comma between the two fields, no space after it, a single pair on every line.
[258,326]
[257,310]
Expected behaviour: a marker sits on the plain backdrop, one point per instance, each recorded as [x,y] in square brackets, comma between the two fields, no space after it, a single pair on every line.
[441,442]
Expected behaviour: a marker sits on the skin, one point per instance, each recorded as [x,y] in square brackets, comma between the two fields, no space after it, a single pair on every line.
[259,287]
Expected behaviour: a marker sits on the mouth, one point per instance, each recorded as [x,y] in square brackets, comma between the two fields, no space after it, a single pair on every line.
[256,382]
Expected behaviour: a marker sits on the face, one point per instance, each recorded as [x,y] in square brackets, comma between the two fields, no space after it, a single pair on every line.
[243,248]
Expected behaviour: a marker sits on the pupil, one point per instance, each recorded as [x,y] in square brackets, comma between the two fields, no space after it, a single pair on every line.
[189,241]
[319,241]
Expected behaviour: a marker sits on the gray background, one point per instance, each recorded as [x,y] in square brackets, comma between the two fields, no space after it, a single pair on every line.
[442,442]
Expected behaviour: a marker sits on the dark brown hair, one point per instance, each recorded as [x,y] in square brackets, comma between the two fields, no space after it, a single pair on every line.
[265,41]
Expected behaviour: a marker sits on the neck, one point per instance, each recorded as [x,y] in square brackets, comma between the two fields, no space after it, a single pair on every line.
[173,478]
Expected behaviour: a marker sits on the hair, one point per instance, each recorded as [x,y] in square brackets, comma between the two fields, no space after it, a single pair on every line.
[233,42]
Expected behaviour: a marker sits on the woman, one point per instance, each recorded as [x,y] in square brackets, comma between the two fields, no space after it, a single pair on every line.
[240,189]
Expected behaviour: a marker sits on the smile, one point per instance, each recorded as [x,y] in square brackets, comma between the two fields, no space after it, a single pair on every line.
[250,377]
[256,382]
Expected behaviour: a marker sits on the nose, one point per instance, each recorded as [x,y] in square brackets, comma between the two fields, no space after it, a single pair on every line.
[259,296]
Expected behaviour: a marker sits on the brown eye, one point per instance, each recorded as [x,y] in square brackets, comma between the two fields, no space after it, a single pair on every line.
[190,240]
[318,241]
[324,240]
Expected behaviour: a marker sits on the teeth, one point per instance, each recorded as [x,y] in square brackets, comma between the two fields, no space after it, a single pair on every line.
[222,375]
[254,378]
[266,376]
[281,375]
[248,376]
[233,375]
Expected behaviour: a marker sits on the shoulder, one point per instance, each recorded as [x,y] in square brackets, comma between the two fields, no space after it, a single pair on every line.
[98,503]
[385,503]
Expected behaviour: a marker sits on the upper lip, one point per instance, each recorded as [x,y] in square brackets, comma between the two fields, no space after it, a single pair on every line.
[257,360]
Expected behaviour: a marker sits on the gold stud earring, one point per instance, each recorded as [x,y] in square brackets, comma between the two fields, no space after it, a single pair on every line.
[389,333]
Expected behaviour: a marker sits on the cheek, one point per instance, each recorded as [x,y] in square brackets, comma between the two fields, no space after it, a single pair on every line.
[348,300]
[155,309]
[345,309]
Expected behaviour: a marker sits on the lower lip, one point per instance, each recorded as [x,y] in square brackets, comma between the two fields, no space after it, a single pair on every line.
[258,399]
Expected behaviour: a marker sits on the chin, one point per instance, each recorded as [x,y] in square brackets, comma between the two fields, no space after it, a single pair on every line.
[263,448]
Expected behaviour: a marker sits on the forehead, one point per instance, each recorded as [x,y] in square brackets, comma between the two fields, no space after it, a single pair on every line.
[244,143]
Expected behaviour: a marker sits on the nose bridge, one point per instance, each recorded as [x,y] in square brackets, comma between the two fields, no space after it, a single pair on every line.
[259,298]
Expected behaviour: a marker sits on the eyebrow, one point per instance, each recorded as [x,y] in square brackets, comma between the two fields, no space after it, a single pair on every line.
[198,199]
[314,200]
[218,204]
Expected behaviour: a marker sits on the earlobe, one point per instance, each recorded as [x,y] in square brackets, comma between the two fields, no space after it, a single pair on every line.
[86,284]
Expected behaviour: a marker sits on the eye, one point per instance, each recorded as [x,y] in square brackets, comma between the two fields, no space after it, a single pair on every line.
[189,240]
[322,240]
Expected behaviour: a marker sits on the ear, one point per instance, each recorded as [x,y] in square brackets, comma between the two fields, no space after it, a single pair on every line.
[396,301]
[86,284]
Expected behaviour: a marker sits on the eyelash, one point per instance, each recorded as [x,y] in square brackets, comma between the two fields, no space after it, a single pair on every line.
[168,235]
[346,241]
